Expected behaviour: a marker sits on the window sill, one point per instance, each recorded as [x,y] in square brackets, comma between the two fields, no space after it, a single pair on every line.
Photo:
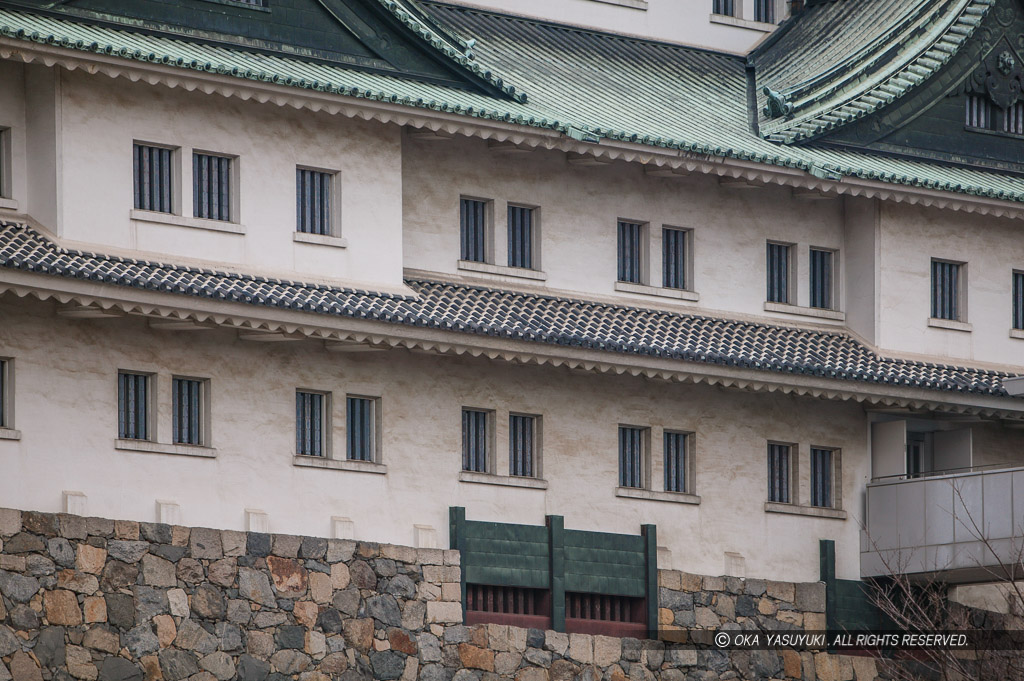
[502,480]
[949,324]
[1017,333]
[486,268]
[8,204]
[801,311]
[743,23]
[10,434]
[678,294]
[160,448]
[181,221]
[632,4]
[651,495]
[340,464]
[320,240]
[812,511]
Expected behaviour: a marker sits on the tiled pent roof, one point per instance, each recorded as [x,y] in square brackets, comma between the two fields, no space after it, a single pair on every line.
[519,316]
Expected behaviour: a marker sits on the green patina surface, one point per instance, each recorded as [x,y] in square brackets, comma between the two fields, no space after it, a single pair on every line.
[848,602]
[585,84]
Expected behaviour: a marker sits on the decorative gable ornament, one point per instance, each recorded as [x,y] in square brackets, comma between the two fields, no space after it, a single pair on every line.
[1000,77]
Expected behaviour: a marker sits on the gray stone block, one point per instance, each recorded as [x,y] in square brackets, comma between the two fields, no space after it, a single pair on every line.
[49,648]
[18,588]
[9,642]
[119,669]
[313,547]
[127,551]
[384,609]
[205,543]
[251,669]
[120,610]
[61,552]
[810,596]
[258,544]
[387,665]
[177,664]
[140,640]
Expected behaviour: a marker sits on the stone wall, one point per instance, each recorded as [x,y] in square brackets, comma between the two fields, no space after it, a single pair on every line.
[94,599]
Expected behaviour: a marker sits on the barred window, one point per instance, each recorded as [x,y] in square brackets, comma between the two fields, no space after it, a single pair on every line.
[473,229]
[726,7]
[361,428]
[475,443]
[6,396]
[133,395]
[946,291]
[1018,300]
[310,423]
[676,462]
[5,162]
[154,180]
[779,473]
[520,237]
[632,445]
[674,254]
[187,411]
[764,10]
[821,279]
[981,112]
[778,266]
[821,477]
[630,260]
[522,441]
[1013,119]
[313,201]
[211,187]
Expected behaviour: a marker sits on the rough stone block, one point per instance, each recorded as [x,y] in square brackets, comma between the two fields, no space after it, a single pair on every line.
[814,621]
[670,579]
[91,559]
[24,668]
[79,582]
[158,572]
[71,526]
[402,554]
[102,639]
[706,618]
[474,657]
[94,609]
[233,542]
[359,633]
[452,557]
[714,584]
[532,674]
[607,650]
[286,545]
[306,613]
[810,596]
[205,543]
[340,550]
[61,608]
[166,629]
[556,642]
[689,582]
[255,586]
[222,572]
[581,648]
[783,591]
[127,551]
[126,529]
[340,576]
[80,665]
[430,556]
[444,612]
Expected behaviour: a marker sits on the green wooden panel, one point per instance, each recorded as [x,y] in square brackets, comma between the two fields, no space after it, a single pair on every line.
[537,534]
[605,540]
[556,534]
[609,586]
[481,574]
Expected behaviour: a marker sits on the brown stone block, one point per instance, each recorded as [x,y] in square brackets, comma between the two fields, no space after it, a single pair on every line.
[334,664]
[126,529]
[305,613]
[340,577]
[474,657]
[289,577]
[791,666]
[166,631]
[401,642]
[62,608]
[95,609]
[358,633]
[90,559]
[563,670]
[151,668]
[766,606]
[541,674]
[320,589]
[25,668]
[102,639]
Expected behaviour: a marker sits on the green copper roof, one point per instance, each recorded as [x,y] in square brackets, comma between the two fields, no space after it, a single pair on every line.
[585,84]
[844,60]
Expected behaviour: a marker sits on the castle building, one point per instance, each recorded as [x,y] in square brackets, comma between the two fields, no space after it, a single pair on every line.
[748,273]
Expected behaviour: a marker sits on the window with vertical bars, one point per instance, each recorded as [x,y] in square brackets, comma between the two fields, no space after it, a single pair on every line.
[946,290]
[313,201]
[726,7]
[764,10]
[521,445]
[520,237]
[474,440]
[154,181]
[361,429]
[5,398]
[1018,300]
[133,406]
[981,112]
[211,187]
[473,229]
[821,279]
[673,260]
[632,443]
[5,160]
[821,477]
[675,462]
[630,252]
[778,273]
[310,423]
[187,411]
[779,473]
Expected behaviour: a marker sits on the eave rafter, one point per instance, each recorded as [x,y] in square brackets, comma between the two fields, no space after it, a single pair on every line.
[522,134]
[381,335]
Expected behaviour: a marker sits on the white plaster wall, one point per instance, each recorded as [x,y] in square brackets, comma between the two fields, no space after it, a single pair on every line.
[103,117]
[579,210]
[66,370]
[680,21]
[12,118]
[992,248]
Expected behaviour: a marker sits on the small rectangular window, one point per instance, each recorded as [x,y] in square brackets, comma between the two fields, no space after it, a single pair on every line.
[133,396]
[5,163]
[946,290]
[187,413]
[473,229]
[361,428]
[821,278]
[632,447]
[676,477]
[313,201]
[674,246]
[1018,300]
[154,178]
[981,113]
[725,7]
[522,445]
[211,187]
[779,473]
[821,477]
[310,423]
[764,10]
[778,267]
[6,396]
[520,237]
[630,254]
[475,440]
